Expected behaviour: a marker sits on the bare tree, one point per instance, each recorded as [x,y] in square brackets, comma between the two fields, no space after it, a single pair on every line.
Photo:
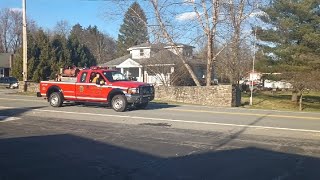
[62,28]
[226,69]
[160,31]
[219,23]
[238,12]
[167,68]
[163,29]
[102,45]
[303,82]
[10,30]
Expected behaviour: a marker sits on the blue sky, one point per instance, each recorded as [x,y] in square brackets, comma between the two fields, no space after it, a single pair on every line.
[47,13]
[107,15]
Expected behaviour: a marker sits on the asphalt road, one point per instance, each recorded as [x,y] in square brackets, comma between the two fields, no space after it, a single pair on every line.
[162,142]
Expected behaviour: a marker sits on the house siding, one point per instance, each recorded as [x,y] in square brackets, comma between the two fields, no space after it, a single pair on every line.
[185,51]
[136,53]
[5,64]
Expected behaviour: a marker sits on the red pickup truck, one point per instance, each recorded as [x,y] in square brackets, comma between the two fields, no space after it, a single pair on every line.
[99,85]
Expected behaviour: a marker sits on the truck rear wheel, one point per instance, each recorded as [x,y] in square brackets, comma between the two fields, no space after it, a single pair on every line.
[56,99]
[119,103]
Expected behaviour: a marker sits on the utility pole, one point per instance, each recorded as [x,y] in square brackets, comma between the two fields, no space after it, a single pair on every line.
[253,60]
[25,46]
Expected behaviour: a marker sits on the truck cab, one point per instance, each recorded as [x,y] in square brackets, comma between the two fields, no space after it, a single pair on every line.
[100,85]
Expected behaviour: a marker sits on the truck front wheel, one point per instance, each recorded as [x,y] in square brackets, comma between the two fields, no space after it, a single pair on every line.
[119,103]
[56,99]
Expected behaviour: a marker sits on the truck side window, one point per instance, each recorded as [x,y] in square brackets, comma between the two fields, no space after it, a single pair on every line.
[92,76]
[83,77]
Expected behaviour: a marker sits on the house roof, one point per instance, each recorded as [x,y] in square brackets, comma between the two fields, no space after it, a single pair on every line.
[128,64]
[5,60]
[148,45]
[158,45]
[116,61]
[178,45]
[161,57]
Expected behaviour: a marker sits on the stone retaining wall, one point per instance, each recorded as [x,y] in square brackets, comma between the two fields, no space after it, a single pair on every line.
[220,95]
[32,86]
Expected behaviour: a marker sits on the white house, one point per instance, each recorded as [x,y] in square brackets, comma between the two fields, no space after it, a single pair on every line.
[153,63]
[5,64]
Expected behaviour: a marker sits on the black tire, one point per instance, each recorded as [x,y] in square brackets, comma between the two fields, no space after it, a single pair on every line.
[56,99]
[119,103]
[142,105]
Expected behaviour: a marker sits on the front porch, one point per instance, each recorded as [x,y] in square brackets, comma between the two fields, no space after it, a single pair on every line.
[131,69]
[134,73]
[156,74]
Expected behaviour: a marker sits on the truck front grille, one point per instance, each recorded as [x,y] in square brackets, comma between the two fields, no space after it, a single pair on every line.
[146,90]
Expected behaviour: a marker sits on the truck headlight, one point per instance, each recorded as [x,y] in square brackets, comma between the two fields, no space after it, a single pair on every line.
[133,91]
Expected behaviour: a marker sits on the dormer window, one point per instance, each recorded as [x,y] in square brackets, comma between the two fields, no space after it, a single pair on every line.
[141,52]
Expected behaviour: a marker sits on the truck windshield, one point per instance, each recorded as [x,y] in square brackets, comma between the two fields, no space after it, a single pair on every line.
[114,76]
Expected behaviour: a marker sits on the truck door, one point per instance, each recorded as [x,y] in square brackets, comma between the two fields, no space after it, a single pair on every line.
[82,87]
[96,90]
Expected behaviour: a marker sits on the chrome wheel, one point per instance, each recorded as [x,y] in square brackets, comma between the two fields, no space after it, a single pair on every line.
[117,103]
[54,100]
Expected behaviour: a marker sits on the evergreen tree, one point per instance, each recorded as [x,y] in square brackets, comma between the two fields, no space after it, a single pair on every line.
[101,45]
[17,67]
[133,31]
[295,36]
[60,54]
[47,55]
[80,55]
[42,57]
[16,70]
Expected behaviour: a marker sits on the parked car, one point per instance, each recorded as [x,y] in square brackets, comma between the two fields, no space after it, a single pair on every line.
[9,82]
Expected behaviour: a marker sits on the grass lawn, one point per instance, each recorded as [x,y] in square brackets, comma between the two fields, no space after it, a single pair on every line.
[27,93]
[281,100]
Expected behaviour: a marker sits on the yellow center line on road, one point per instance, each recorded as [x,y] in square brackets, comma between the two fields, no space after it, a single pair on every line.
[203,111]
[245,114]
[170,120]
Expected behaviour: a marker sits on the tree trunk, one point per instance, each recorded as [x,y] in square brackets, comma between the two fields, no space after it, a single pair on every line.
[170,39]
[294,97]
[300,103]
[209,60]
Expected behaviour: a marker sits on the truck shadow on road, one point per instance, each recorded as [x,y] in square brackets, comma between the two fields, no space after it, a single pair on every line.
[156,105]
[68,157]
[151,105]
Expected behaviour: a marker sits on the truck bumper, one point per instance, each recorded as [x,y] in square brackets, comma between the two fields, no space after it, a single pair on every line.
[39,94]
[138,99]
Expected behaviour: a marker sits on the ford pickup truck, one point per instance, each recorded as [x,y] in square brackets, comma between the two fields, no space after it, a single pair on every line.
[98,85]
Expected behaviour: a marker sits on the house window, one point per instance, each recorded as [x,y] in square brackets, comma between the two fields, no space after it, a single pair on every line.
[141,52]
